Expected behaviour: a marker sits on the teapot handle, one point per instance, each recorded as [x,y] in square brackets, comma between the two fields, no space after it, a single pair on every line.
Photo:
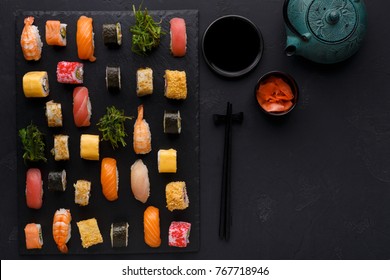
[289,24]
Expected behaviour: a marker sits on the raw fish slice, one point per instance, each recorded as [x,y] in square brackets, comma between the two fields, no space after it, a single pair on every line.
[84,38]
[139,178]
[178,37]
[109,179]
[31,40]
[152,227]
[81,107]
[34,190]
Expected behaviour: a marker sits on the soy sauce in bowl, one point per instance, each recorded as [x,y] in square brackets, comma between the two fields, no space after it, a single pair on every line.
[232,45]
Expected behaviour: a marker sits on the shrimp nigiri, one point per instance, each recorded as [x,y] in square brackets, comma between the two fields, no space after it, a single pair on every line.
[109,179]
[152,226]
[62,229]
[84,39]
[31,40]
[139,178]
[142,137]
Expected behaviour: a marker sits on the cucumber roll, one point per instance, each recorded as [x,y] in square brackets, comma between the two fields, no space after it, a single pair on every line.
[57,181]
[112,34]
[113,78]
[172,122]
[119,234]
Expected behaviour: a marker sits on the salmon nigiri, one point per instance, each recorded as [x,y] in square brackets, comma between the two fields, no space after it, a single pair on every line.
[33,233]
[84,38]
[152,226]
[31,40]
[142,137]
[81,107]
[62,229]
[139,178]
[55,33]
[109,179]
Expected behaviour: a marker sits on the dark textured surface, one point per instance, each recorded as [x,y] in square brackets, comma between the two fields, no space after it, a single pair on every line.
[314,185]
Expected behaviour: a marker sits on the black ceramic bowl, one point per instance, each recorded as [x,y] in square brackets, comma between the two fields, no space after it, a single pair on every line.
[289,80]
[232,46]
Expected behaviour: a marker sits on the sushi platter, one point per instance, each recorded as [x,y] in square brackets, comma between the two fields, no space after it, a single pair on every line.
[173,124]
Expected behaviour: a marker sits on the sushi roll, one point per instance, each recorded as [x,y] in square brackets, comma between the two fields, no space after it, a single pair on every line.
[152,227]
[89,146]
[56,181]
[36,84]
[172,122]
[179,234]
[82,108]
[33,234]
[62,229]
[139,179]
[82,192]
[176,196]
[109,179]
[84,39]
[55,33]
[144,81]
[61,147]
[175,84]
[142,137]
[53,114]
[89,233]
[178,34]
[119,234]
[30,40]
[167,161]
[112,34]
[70,72]
[34,189]
[113,78]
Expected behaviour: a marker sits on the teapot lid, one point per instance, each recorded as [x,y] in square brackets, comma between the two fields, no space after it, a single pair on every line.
[332,21]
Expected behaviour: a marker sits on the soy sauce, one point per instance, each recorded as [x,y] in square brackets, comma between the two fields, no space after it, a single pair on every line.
[232,44]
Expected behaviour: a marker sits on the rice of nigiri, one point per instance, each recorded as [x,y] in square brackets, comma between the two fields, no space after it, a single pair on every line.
[152,227]
[85,39]
[82,108]
[34,190]
[109,179]
[139,178]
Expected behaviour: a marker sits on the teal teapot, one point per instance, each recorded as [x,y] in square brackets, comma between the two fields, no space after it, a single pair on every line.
[324,31]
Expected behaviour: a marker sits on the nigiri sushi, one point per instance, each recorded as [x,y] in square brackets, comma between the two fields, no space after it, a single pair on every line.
[178,34]
[139,178]
[152,227]
[109,179]
[33,234]
[82,108]
[31,40]
[84,39]
[55,33]
[62,229]
[34,190]
[142,137]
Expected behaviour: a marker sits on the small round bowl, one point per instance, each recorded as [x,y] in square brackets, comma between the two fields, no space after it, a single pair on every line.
[287,79]
[232,46]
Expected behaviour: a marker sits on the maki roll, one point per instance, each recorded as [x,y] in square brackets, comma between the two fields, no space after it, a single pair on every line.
[33,234]
[55,33]
[176,196]
[112,34]
[53,114]
[70,72]
[61,147]
[113,78]
[89,146]
[56,181]
[89,233]
[172,122]
[144,81]
[179,233]
[119,234]
[82,192]
[167,161]
[175,84]
[36,84]
[30,40]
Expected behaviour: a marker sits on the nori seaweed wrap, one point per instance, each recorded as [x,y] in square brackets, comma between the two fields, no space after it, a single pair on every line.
[112,34]
[172,122]
[119,234]
[57,181]
[113,78]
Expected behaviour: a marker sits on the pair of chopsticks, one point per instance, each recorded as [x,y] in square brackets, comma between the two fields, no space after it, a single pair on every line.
[225,217]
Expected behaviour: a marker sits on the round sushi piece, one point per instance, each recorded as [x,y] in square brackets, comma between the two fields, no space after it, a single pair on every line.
[109,179]
[82,108]
[55,33]
[113,78]
[112,34]
[34,189]
[30,40]
[33,234]
[89,146]
[85,39]
[70,72]
[178,34]
[36,84]
[172,122]
[82,192]
[179,233]
[176,196]
[56,181]
[53,114]
[119,234]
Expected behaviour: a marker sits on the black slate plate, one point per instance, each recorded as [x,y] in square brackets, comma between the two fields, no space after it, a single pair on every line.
[126,208]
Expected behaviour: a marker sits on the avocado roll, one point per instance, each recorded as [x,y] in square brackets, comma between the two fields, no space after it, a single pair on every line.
[57,181]
[112,34]
[113,78]
[119,234]
[172,122]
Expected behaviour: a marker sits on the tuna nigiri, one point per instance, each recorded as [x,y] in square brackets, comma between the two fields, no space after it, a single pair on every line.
[84,38]
[31,40]
[178,37]
[33,233]
[34,190]
[109,179]
[81,107]
[55,33]
[140,185]
[152,227]
[142,137]
[62,229]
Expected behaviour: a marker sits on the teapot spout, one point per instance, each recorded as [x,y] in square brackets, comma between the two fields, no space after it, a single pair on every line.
[292,45]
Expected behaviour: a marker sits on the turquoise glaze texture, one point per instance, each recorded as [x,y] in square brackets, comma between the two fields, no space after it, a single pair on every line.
[324,31]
